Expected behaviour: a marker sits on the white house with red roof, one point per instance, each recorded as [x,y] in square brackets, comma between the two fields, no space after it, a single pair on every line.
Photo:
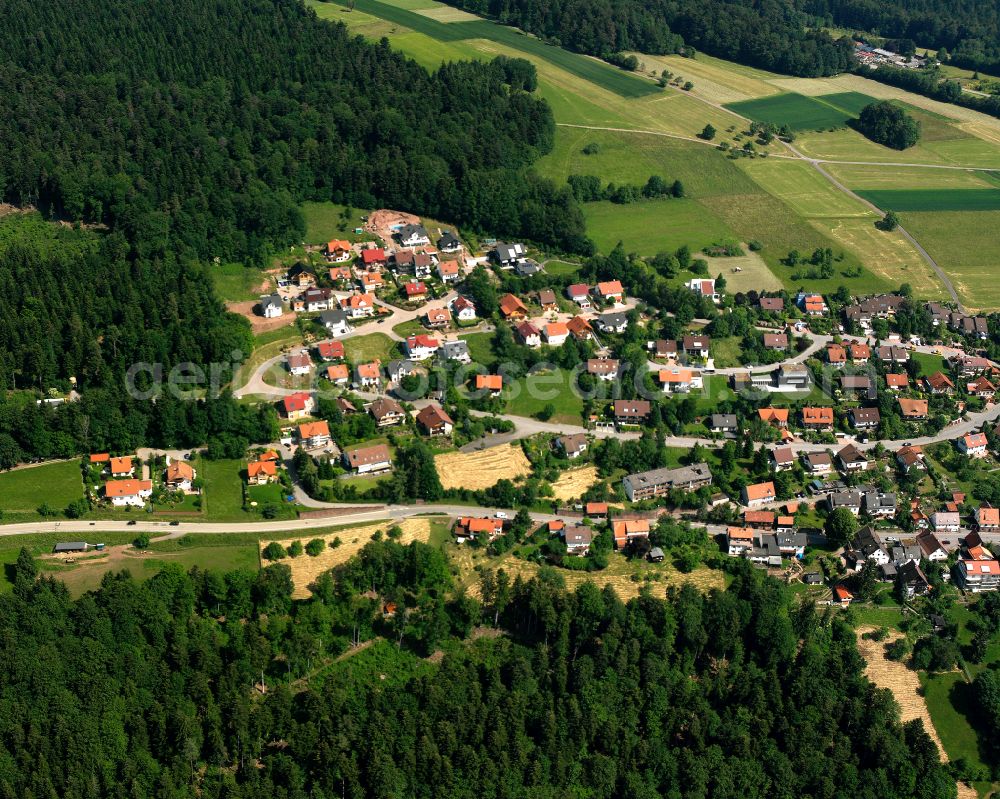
[123,493]
[297,405]
[705,287]
[421,347]
[974,445]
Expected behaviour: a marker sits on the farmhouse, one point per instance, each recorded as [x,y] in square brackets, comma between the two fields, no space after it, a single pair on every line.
[363,460]
[657,482]
[128,493]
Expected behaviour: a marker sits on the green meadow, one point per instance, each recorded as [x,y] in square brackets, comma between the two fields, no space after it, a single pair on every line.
[800,112]
[934,199]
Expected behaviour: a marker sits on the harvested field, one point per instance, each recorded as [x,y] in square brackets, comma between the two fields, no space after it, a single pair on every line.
[305,568]
[482,469]
[754,273]
[574,483]
[898,678]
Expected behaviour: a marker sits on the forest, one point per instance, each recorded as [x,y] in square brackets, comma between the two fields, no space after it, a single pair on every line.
[154,689]
[969,30]
[771,34]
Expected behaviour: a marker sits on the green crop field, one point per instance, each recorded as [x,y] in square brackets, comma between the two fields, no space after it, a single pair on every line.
[52,484]
[800,112]
[653,226]
[934,199]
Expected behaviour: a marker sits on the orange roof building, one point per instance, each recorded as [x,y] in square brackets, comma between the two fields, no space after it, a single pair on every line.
[512,308]
[489,382]
[122,465]
[913,408]
[778,417]
[817,417]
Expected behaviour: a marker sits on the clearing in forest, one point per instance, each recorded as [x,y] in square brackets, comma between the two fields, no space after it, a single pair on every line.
[482,469]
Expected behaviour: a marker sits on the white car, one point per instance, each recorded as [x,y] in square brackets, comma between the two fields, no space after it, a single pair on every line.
[500,514]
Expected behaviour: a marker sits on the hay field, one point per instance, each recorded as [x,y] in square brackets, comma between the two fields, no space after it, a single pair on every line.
[482,469]
[861,178]
[754,273]
[573,483]
[447,14]
[803,188]
[305,568]
[712,78]
[898,678]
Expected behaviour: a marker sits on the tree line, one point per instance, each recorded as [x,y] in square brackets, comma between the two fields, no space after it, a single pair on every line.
[212,685]
[772,35]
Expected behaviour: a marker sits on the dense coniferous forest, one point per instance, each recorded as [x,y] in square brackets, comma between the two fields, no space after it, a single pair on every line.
[153,689]
[968,29]
[771,34]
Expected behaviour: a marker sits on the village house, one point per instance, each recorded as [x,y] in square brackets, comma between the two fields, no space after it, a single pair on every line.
[610,291]
[897,382]
[930,547]
[696,346]
[793,377]
[860,353]
[836,355]
[386,411]
[723,423]
[340,274]
[261,472]
[530,335]
[556,334]
[435,421]
[580,328]
[657,482]
[317,299]
[128,493]
[398,368]
[782,458]
[373,258]
[625,531]
[939,383]
[631,412]
[818,463]
[371,281]
[879,503]
[771,304]
[979,575]
[981,387]
[820,418]
[179,476]
[759,519]
[295,406]
[891,353]
[776,341]
[596,510]
[776,417]
[337,251]
[864,418]
[973,444]
[330,350]
[580,294]
[339,374]
[301,276]
[364,460]
[512,308]
[811,304]
[758,494]
[358,306]
[271,306]
[910,457]
[578,539]
[740,541]
[455,351]
[612,322]
[677,380]
[704,288]
[421,347]
[603,368]
[506,256]
[857,384]
[448,271]
[299,363]
[987,519]
[437,318]
[472,526]
[335,322]
[547,299]
[851,500]
[945,521]
[415,291]
[913,408]
[463,309]
[368,374]
[491,383]
[573,445]
[449,243]
[122,467]
[314,434]
[413,235]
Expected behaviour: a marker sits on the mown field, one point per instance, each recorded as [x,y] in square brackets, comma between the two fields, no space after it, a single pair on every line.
[801,112]
[23,491]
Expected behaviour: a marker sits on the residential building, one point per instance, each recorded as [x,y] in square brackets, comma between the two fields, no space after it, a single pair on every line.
[261,472]
[705,288]
[271,306]
[449,243]
[512,308]
[338,251]
[913,408]
[339,374]
[696,346]
[580,328]
[435,421]
[547,299]
[979,575]
[836,355]
[818,462]
[455,351]
[580,294]
[723,423]
[610,291]
[776,341]
[851,500]
[820,418]
[448,271]
[771,304]
[811,304]
[612,322]
[625,531]
[421,347]
[330,350]
[603,368]
[299,363]
[740,541]
[911,457]
[415,290]
[373,257]
[507,255]
[437,318]
[578,538]
[573,445]
[897,382]
[179,476]
[892,353]
[491,383]
[857,384]
[758,494]
[463,309]
[314,434]
[122,467]
[776,417]
[336,322]
[930,547]
[864,418]
[301,275]
[530,335]
[677,380]
[939,383]
[782,458]
[413,236]
[358,306]
[297,405]
[793,377]
[386,411]
[912,580]
[880,504]
[946,521]
[631,411]
[556,334]
[981,387]
[988,519]
[399,368]
[974,445]
[472,526]
[368,375]
[128,493]
[657,482]
[364,460]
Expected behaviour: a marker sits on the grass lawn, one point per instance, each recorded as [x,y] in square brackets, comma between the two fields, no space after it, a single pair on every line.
[529,395]
[363,349]
[928,363]
[236,282]
[727,351]
[950,701]
[53,484]
[223,493]
[411,328]
[481,348]
[653,226]
[561,268]
[325,221]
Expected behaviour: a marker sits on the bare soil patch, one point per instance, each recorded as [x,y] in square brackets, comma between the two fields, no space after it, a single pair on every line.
[258,322]
[574,483]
